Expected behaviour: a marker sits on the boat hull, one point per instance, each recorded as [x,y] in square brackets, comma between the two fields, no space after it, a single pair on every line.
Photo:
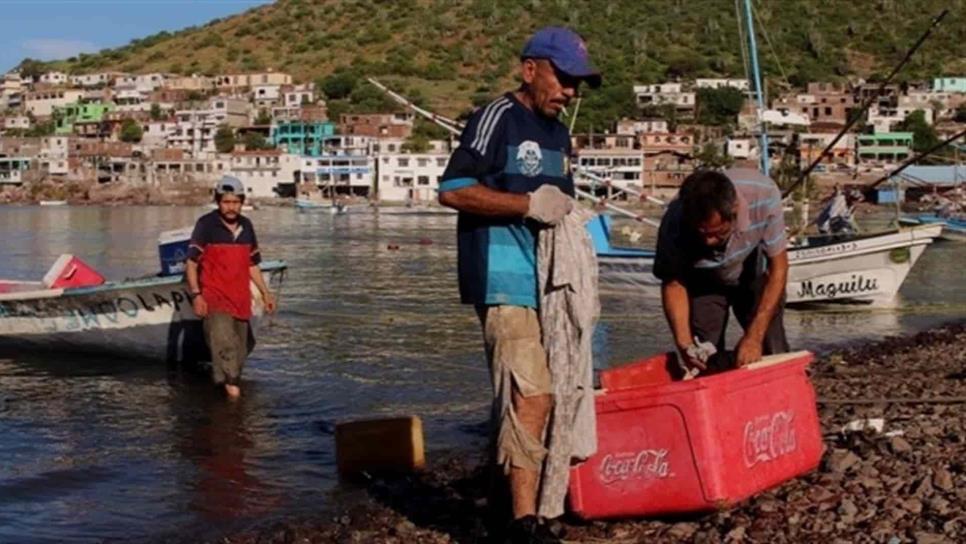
[150,319]
[868,269]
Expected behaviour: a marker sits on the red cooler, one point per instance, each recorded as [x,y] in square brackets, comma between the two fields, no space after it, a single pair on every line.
[69,271]
[669,446]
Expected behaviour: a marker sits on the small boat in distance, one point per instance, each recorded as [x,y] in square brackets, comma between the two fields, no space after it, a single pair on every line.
[52,203]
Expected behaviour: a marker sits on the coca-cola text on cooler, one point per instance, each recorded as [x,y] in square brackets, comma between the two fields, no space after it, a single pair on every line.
[769,437]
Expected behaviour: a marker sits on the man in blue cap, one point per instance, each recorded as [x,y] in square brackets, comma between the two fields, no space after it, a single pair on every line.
[510,177]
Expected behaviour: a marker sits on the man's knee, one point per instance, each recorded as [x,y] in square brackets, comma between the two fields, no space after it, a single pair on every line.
[533,411]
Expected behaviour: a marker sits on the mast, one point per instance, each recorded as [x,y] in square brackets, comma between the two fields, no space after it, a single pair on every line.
[759,91]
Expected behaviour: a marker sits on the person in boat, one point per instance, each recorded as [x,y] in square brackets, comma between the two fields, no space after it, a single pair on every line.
[509,177]
[721,245]
[837,218]
[223,258]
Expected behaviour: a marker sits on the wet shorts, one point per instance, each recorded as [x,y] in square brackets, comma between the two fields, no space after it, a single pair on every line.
[518,363]
[228,340]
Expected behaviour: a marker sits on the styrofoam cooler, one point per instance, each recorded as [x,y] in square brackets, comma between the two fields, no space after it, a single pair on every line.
[173,250]
[69,271]
[684,446]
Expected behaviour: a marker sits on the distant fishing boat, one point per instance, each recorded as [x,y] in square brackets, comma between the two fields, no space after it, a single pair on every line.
[954,228]
[52,203]
[149,318]
[863,268]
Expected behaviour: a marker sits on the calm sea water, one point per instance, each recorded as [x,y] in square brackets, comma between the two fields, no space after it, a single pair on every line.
[95,449]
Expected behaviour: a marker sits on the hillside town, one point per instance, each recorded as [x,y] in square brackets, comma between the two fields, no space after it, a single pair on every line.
[278,138]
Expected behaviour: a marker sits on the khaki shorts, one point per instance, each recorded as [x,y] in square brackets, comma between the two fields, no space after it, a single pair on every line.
[227,339]
[518,363]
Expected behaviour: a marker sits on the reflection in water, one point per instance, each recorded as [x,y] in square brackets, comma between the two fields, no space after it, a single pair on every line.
[111,449]
[212,434]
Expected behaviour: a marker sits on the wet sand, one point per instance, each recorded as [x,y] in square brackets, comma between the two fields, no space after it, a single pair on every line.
[870,487]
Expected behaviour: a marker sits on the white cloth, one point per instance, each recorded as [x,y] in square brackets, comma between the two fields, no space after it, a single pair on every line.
[569,308]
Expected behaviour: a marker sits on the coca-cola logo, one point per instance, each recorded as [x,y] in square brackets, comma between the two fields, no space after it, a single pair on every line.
[769,437]
[637,465]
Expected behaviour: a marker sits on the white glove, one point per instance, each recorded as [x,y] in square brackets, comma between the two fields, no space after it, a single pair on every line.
[549,205]
[697,356]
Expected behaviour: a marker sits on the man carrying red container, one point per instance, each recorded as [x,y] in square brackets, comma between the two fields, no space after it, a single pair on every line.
[223,259]
[722,245]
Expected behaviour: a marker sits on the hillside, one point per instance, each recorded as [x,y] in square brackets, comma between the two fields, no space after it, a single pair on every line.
[452,53]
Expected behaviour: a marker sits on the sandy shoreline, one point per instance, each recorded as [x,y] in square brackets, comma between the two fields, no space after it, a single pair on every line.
[909,487]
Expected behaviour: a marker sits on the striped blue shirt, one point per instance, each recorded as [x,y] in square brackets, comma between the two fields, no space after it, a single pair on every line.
[507,147]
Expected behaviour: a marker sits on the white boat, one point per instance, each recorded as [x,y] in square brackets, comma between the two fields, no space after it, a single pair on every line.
[52,203]
[954,228]
[149,318]
[867,268]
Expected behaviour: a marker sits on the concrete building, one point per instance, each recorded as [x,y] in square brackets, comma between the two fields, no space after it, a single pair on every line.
[637,126]
[238,82]
[42,103]
[266,95]
[949,84]
[623,168]
[301,138]
[740,148]
[884,119]
[710,83]
[664,93]
[15,122]
[99,79]
[884,148]
[12,170]
[410,177]
[54,78]
[146,83]
[65,117]
[190,83]
[832,103]
[811,145]
[377,125]
[298,95]
[262,170]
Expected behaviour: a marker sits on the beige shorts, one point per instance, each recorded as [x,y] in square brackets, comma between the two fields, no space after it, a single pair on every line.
[518,363]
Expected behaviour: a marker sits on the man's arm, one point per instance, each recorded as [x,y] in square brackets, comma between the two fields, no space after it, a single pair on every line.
[677,310]
[256,274]
[198,302]
[749,348]
[482,200]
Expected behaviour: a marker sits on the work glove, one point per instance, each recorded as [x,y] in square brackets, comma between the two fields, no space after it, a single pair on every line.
[549,205]
[695,357]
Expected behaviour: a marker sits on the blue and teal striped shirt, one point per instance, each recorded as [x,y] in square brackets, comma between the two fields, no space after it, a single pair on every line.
[506,147]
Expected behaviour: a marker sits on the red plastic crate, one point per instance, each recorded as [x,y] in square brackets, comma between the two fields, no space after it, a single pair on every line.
[703,444]
[69,271]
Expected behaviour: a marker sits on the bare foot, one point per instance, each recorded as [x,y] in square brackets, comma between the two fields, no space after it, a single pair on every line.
[233,391]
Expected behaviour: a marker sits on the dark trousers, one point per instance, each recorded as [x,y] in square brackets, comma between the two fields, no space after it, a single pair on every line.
[710,303]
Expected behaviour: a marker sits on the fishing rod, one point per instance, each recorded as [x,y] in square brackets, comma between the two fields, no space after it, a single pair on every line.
[918,157]
[867,104]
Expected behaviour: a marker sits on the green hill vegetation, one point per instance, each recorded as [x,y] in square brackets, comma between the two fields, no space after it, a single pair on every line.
[452,54]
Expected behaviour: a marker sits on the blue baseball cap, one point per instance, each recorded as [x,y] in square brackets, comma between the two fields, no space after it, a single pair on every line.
[230,185]
[566,50]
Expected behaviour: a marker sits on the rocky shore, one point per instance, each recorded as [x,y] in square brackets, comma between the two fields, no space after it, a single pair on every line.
[903,482]
[108,194]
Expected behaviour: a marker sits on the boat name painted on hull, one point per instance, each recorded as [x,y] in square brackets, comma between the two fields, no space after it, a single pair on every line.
[85,314]
[805,253]
[856,284]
